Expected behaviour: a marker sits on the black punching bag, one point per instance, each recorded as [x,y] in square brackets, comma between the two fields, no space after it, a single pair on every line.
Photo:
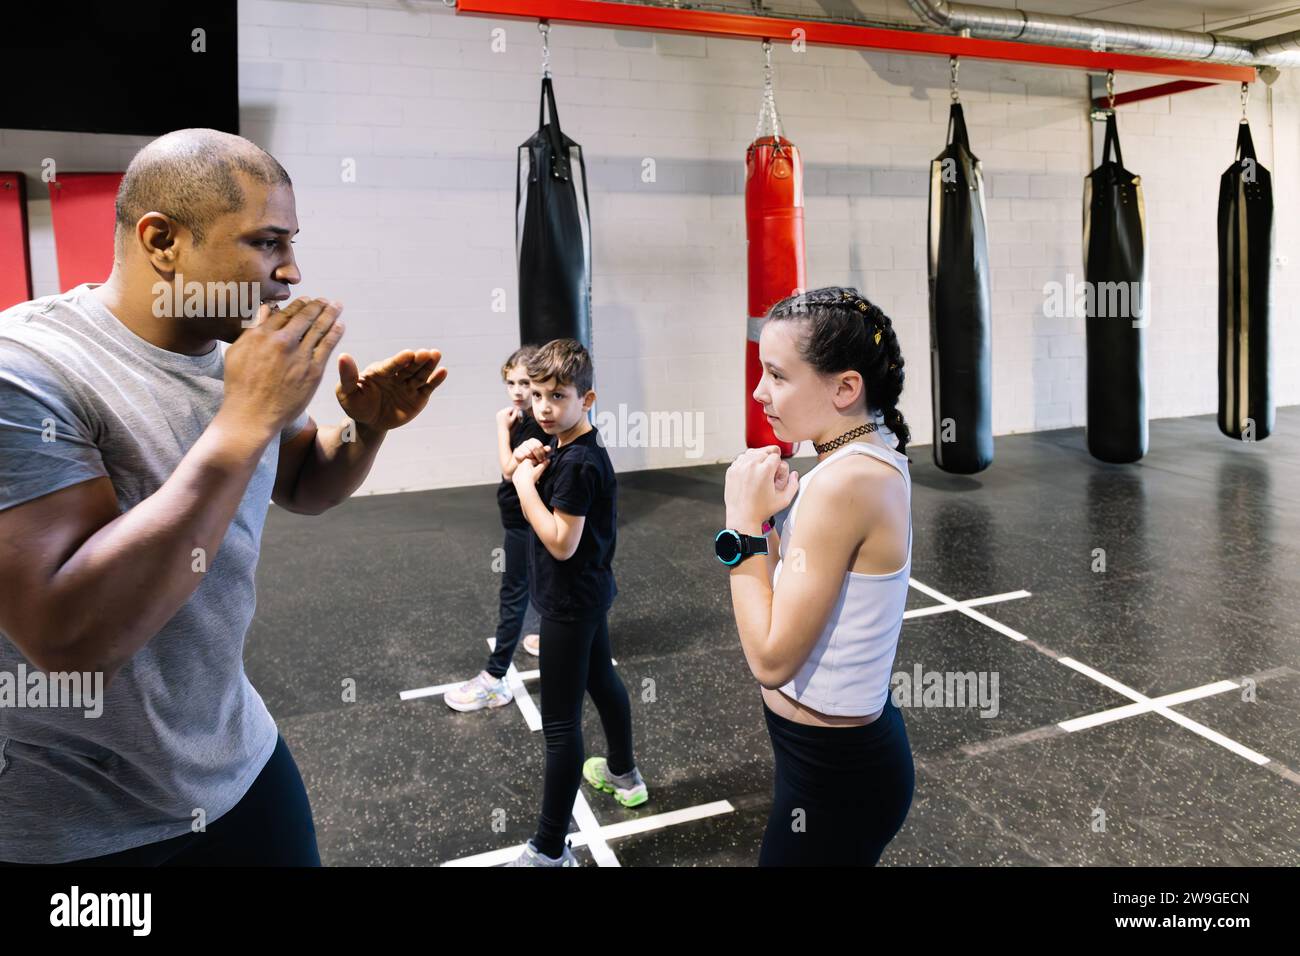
[1246,409]
[961,355]
[552,234]
[1114,266]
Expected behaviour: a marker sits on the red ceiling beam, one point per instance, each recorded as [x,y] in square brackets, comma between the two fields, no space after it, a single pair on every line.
[1151,92]
[816,32]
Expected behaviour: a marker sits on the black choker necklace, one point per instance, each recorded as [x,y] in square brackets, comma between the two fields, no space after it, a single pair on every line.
[847,436]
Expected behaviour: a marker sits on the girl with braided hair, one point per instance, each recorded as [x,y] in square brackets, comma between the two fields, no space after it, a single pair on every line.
[819,621]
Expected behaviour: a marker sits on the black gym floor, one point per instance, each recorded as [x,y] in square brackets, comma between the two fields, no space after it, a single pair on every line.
[1201,542]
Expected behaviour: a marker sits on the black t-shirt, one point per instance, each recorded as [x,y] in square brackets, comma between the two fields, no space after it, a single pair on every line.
[523,429]
[579,480]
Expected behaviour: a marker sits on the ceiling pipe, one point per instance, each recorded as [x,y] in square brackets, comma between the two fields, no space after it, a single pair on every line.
[996,23]
[1275,50]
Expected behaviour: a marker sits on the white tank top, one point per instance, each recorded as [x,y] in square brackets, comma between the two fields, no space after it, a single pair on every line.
[847,673]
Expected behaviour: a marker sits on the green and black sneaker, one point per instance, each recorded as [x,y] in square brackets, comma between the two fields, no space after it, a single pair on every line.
[629,789]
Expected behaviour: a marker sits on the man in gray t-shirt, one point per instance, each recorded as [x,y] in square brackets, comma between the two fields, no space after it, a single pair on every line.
[142,438]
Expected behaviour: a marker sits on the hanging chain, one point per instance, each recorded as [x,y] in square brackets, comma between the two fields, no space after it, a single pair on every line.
[544,28]
[953,64]
[768,110]
[1245,98]
[1110,90]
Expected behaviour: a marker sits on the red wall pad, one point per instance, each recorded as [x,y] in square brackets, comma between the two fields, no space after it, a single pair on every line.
[15,263]
[81,205]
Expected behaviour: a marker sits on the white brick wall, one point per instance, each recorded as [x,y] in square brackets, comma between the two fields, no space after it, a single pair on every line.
[432,116]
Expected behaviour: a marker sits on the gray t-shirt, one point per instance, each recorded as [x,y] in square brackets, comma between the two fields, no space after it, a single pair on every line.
[181,729]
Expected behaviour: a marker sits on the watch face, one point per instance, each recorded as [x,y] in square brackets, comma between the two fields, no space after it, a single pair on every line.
[727,546]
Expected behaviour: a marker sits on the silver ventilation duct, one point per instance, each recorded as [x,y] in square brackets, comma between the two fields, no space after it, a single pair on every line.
[996,23]
[1282,50]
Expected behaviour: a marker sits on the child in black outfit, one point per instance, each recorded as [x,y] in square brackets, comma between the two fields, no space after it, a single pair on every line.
[568,494]
[515,425]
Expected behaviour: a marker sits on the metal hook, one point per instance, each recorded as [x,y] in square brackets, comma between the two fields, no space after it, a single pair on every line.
[1110,90]
[953,65]
[768,109]
[1245,98]
[544,28]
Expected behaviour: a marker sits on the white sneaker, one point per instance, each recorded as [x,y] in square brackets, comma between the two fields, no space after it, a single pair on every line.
[482,690]
[533,644]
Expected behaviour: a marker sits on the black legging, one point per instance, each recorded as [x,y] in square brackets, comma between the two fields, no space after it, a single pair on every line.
[516,611]
[840,793]
[576,658]
[270,826]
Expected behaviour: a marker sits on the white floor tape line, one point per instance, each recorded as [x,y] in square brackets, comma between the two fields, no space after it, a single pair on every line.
[962,608]
[1159,706]
[512,676]
[1146,706]
[1142,704]
[611,831]
[957,605]
[590,833]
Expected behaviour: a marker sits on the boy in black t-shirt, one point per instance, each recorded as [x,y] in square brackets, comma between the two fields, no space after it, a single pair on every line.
[568,494]
[515,425]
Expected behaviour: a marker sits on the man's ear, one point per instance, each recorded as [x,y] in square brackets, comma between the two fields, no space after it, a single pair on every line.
[156,235]
[588,400]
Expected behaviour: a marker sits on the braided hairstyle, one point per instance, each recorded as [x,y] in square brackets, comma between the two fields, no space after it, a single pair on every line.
[849,332]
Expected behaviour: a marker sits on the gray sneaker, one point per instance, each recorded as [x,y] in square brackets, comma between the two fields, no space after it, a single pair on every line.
[531,857]
[629,789]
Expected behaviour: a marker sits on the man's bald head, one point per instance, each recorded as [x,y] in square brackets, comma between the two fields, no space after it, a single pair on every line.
[193,177]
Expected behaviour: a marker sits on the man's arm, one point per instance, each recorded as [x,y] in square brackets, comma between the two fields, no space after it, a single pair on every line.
[86,585]
[318,469]
[90,585]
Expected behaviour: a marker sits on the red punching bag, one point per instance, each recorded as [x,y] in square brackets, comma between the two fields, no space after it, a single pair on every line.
[774,228]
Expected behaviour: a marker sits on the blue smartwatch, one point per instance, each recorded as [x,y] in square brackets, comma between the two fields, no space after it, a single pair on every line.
[732,547]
